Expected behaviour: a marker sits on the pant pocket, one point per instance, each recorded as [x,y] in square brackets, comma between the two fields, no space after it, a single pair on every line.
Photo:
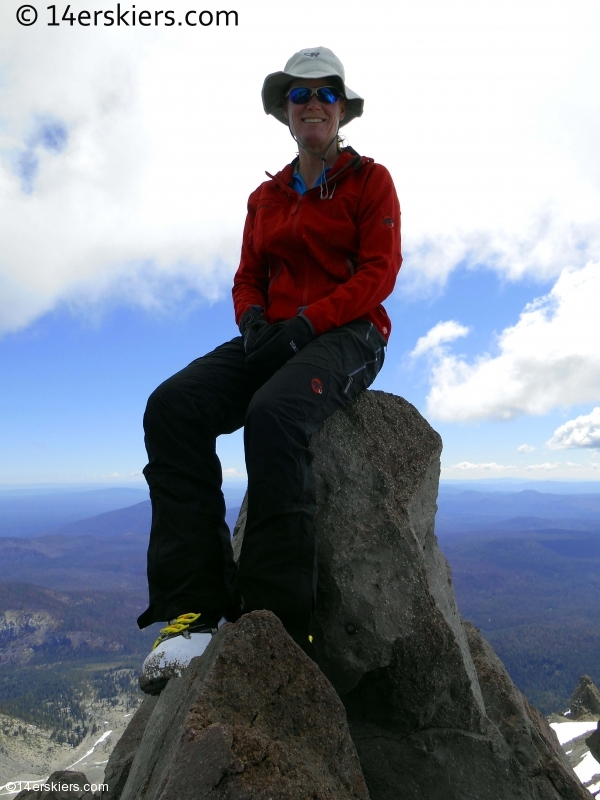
[362,377]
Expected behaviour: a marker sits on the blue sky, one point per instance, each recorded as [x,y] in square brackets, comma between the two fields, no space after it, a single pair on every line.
[126,157]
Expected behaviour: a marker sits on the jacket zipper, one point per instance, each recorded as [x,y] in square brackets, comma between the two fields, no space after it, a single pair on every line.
[295,238]
[354,163]
[276,274]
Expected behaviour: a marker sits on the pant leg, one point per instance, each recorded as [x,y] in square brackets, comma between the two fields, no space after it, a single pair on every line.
[277,564]
[190,561]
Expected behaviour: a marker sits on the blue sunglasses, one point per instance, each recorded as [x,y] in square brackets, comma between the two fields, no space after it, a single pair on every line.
[325,94]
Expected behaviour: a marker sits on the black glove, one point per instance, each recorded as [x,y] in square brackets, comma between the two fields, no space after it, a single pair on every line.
[252,324]
[280,342]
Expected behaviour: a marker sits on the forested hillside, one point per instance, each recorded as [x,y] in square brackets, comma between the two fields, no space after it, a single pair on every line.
[530,582]
[535,595]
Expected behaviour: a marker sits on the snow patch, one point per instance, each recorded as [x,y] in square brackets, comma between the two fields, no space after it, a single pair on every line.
[587,768]
[567,731]
[105,735]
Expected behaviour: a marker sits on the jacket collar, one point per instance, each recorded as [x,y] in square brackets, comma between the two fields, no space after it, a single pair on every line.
[348,159]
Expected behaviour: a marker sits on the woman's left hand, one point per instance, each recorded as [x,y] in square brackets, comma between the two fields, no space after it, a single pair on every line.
[280,342]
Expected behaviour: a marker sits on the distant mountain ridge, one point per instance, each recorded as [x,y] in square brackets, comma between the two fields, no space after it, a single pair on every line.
[474,510]
[129,519]
[79,562]
[31,514]
[105,552]
[132,519]
[34,512]
[527,501]
[513,485]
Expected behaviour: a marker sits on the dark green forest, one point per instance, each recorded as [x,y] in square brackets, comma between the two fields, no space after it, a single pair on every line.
[57,696]
[535,596]
[92,651]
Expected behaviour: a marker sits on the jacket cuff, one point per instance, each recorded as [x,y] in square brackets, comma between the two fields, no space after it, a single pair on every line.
[309,323]
[248,316]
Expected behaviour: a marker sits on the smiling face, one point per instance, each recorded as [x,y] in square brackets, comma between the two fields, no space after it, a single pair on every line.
[314,123]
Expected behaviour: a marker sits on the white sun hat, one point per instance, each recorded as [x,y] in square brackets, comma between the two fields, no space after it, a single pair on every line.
[313,62]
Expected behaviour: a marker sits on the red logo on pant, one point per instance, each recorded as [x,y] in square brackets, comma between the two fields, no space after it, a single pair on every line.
[316,386]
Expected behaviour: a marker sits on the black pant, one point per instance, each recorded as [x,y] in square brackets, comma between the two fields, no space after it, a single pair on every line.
[190,561]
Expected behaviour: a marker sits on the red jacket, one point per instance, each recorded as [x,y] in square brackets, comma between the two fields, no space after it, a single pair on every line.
[335,258]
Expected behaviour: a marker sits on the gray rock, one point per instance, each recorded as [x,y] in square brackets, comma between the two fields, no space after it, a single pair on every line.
[389,634]
[383,582]
[593,742]
[121,758]
[62,785]
[387,629]
[585,699]
[528,735]
[381,573]
[252,718]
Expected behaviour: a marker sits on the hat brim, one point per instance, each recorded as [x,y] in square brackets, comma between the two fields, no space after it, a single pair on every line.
[277,82]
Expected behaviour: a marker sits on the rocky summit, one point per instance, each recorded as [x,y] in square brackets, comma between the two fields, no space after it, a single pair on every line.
[254,717]
[389,634]
[430,709]
[585,699]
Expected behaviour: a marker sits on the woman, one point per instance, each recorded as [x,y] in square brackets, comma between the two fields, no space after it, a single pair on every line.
[316,264]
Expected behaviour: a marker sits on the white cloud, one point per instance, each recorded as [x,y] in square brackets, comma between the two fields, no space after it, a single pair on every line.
[584,431]
[525,448]
[468,470]
[440,334]
[232,472]
[549,358]
[491,466]
[143,197]
[495,158]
